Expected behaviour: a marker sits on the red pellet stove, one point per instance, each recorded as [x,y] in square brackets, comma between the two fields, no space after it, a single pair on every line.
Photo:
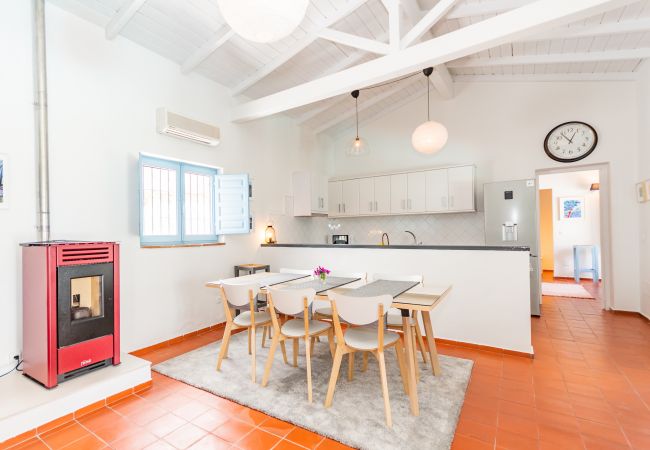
[71,309]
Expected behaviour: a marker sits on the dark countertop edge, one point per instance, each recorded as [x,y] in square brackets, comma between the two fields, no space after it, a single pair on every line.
[407,247]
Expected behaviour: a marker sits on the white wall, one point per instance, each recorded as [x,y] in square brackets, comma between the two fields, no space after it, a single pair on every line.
[500,127]
[644,174]
[567,233]
[102,100]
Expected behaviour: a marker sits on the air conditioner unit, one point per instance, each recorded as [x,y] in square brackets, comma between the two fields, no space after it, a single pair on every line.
[178,126]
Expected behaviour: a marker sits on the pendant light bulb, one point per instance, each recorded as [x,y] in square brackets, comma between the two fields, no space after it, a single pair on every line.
[431,136]
[359,146]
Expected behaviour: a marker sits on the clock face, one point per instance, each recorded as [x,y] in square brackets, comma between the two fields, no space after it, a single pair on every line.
[570,141]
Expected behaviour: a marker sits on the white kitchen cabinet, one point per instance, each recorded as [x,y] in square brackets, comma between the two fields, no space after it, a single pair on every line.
[309,194]
[350,197]
[461,188]
[335,198]
[416,190]
[437,190]
[382,195]
[398,193]
[366,196]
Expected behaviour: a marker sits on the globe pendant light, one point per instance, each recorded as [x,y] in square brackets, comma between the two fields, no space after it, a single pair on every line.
[359,146]
[431,136]
[263,20]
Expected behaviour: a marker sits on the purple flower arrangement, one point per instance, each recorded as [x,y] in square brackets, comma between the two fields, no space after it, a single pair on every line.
[321,272]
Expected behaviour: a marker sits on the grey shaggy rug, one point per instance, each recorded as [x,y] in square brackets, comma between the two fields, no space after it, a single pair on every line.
[356,417]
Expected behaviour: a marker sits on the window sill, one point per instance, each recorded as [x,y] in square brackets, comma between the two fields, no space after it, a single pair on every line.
[210,244]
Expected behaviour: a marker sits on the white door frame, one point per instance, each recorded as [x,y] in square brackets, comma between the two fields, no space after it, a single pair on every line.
[608,300]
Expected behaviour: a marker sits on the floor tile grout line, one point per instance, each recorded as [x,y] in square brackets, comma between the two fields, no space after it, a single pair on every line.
[106,444]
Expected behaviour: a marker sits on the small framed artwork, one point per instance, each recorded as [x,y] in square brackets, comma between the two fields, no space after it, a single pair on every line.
[3,182]
[572,208]
[642,191]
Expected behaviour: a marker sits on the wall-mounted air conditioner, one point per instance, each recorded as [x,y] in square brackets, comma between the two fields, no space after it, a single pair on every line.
[178,126]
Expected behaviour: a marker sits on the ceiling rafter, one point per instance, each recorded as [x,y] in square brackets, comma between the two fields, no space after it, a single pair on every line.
[513,25]
[485,8]
[351,40]
[601,29]
[427,22]
[122,17]
[548,77]
[299,46]
[608,55]
[203,52]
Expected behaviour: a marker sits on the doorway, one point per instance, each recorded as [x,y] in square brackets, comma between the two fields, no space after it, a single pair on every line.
[570,232]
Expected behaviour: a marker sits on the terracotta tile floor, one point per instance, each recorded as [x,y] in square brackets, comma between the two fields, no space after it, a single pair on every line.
[587,388]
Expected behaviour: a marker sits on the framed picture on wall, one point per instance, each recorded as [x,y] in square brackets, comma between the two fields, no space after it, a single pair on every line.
[642,191]
[572,208]
[3,182]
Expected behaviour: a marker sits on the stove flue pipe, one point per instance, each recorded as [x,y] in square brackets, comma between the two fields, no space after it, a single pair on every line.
[40,120]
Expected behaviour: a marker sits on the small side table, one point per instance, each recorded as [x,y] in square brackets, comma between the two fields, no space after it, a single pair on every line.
[577,269]
[251,268]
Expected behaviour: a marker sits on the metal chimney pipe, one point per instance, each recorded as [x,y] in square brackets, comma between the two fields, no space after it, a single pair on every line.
[40,110]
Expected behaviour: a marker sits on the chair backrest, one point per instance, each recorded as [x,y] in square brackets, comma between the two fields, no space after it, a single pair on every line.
[359,310]
[297,271]
[336,273]
[393,277]
[237,294]
[291,301]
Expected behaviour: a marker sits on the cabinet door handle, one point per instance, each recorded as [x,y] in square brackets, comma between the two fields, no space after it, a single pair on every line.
[375,205]
[343,207]
[339,207]
[370,205]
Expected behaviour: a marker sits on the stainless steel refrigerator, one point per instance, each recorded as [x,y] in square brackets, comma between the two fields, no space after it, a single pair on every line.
[511,220]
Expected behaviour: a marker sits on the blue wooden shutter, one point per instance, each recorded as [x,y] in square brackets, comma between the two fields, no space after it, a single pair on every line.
[231,204]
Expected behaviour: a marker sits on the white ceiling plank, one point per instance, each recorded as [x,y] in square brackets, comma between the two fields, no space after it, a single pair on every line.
[299,46]
[369,45]
[513,25]
[610,55]
[427,22]
[203,52]
[550,77]
[485,8]
[319,110]
[627,26]
[442,80]
[122,17]
[365,104]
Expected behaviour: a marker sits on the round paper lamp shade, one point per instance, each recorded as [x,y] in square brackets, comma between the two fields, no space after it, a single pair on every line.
[430,137]
[358,147]
[263,20]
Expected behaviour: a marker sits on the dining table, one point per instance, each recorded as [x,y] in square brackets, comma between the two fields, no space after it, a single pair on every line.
[407,297]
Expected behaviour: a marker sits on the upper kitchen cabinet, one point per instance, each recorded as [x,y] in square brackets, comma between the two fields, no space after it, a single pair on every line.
[335,198]
[407,193]
[437,190]
[374,195]
[309,194]
[461,188]
[350,197]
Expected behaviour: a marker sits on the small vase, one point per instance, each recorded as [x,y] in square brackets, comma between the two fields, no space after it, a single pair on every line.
[323,279]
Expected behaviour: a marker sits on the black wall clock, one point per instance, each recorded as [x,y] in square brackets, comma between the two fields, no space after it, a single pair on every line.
[570,141]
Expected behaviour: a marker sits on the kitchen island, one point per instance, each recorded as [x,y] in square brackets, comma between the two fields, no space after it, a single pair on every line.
[489,304]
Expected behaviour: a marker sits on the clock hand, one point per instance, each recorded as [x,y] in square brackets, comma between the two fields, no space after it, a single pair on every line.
[574,135]
[566,137]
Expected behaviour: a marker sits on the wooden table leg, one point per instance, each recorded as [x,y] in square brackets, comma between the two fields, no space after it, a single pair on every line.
[433,352]
[410,366]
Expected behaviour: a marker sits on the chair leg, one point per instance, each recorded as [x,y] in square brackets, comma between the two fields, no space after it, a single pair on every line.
[223,350]
[330,339]
[365,362]
[269,361]
[336,366]
[295,353]
[313,341]
[418,335]
[252,335]
[351,366]
[308,360]
[415,358]
[284,352]
[249,340]
[399,350]
[264,331]
[384,388]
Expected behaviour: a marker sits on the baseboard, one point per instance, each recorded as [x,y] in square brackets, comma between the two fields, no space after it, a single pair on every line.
[629,313]
[485,348]
[177,339]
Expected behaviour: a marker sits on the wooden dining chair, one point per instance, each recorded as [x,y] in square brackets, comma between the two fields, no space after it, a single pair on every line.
[293,302]
[241,296]
[361,336]
[394,317]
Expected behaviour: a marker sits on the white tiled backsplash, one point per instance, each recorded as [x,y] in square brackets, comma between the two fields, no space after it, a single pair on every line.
[429,229]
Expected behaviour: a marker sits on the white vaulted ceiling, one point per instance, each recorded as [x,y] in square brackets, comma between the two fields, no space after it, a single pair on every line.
[607,46]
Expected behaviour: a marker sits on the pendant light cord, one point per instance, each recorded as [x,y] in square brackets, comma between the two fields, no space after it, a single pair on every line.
[428,117]
[356,108]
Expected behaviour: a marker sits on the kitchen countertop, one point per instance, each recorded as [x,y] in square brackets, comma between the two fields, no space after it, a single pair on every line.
[407,247]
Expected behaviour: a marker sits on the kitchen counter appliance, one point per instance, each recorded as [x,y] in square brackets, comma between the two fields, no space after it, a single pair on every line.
[340,239]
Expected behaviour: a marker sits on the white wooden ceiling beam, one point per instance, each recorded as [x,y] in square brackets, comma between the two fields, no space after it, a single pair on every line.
[203,52]
[394,33]
[365,104]
[549,77]
[608,55]
[507,27]
[486,8]
[299,46]
[602,29]
[427,22]
[122,17]
[351,40]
